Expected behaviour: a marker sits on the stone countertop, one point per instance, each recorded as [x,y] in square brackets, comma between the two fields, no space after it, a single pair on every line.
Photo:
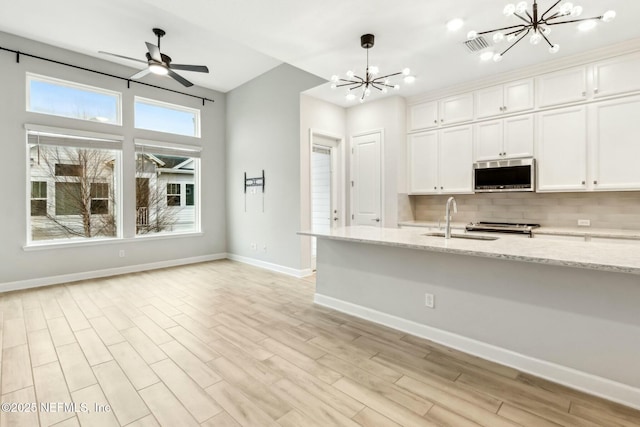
[557,231]
[611,257]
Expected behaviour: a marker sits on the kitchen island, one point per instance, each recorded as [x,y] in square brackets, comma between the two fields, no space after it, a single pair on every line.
[566,311]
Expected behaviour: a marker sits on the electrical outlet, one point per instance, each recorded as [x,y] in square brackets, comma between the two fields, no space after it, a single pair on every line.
[121,253]
[584,223]
[254,246]
[429,300]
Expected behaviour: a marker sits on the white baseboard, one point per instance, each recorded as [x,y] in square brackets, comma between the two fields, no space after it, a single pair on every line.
[583,381]
[74,277]
[270,266]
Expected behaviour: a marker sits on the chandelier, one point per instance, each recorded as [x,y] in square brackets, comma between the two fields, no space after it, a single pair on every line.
[539,25]
[370,79]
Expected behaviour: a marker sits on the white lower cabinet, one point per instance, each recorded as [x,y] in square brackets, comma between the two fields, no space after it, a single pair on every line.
[561,150]
[615,145]
[504,139]
[440,162]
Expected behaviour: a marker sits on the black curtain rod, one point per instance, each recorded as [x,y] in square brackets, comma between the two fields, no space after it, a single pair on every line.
[18,54]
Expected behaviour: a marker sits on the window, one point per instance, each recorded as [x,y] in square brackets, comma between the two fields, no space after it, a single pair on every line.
[167,177]
[165,117]
[56,97]
[38,198]
[173,194]
[80,173]
[100,198]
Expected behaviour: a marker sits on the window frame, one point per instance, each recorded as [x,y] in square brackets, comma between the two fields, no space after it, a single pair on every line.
[40,198]
[102,141]
[169,106]
[73,85]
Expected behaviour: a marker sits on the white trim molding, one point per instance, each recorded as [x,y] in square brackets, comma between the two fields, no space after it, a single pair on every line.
[579,380]
[74,277]
[270,266]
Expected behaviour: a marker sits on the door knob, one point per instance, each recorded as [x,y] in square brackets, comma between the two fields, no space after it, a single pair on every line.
[376,220]
[335,218]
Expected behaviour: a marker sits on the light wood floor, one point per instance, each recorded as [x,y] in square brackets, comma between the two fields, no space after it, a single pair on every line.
[225,344]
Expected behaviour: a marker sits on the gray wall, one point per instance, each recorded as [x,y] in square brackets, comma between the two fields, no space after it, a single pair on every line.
[263,132]
[579,318]
[18,265]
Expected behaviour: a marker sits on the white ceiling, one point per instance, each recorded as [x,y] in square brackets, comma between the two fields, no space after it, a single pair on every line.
[241,39]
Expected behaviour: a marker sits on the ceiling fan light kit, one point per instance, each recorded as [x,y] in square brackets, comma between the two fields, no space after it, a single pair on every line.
[371,79]
[538,24]
[160,64]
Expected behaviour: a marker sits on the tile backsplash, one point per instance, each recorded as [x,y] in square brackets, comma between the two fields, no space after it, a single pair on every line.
[617,210]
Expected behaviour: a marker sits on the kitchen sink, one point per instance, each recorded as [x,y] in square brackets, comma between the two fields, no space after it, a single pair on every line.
[461,236]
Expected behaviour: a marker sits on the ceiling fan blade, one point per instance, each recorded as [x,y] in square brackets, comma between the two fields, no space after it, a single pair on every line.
[140,74]
[179,78]
[154,51]
[196,68]
[123,57]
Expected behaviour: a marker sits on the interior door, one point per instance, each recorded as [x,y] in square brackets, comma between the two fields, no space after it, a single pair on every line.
[322,193]
[366,180]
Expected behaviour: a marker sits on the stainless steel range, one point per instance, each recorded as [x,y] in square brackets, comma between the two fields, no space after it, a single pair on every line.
[502,227]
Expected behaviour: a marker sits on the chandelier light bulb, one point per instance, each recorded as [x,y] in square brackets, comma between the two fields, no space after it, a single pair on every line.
[373,70]
[535,38]
[384,90]
[396,87]
[472,35]
[361,100]
[409,79]
[577,11]
[587,25]
[554,49]
[350,74]
[566,8]
[406,71]
[486,56]
[609,16]
[511,37]
[545,30]
[334,79]
[497,57]
[387,82]
[333,86]
[455,24]
[521,7]
[367,92]
[509,10]
[498,37]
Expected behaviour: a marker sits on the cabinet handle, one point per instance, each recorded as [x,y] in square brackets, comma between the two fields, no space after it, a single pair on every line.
[595,91]
[501,108]
[435,121]
[442,188]
[505,108]
[595,182]
[441,120]
[584,182]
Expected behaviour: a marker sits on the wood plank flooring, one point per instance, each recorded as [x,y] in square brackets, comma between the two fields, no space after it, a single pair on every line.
[226,344]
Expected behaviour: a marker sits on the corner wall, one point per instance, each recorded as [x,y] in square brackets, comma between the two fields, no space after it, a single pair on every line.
[263,132]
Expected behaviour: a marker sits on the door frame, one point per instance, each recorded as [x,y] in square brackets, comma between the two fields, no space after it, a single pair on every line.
[339,181]
[379,131]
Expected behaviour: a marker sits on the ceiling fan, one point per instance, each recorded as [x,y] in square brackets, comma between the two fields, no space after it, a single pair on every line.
[160,64]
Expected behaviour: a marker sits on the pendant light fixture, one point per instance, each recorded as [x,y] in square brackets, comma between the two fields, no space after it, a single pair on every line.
[370,79]
[539,25]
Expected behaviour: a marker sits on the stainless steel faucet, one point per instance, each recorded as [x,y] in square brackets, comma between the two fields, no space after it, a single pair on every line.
[447,230]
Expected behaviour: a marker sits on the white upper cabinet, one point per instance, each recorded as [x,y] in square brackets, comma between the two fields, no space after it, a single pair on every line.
[423,116]
[616,147]
[561,149]
[504,99]
[440,162]
[456,109]
[423,163]
[616,76]
[562,87]
[504,139]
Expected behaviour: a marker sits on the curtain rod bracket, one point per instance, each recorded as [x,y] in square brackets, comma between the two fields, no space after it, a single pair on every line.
[18,56]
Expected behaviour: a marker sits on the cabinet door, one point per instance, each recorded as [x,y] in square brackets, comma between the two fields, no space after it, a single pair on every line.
[616,75]
[423,163]
[562,87]
[561,149]
[489,102]
[456,149]
[423,116]
[616,147]
[518,96]
[518,136]
[488,140]
[456,109]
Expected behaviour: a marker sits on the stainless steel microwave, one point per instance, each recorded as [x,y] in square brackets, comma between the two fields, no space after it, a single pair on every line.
[504,175]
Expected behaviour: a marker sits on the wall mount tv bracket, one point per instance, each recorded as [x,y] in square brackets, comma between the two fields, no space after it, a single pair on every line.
[259,181]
